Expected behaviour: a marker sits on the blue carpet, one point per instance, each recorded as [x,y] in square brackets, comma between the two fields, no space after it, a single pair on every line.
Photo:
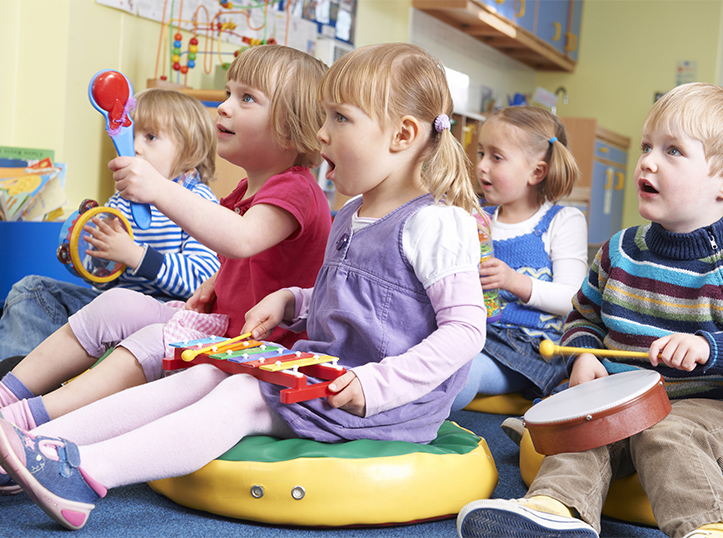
[138,512]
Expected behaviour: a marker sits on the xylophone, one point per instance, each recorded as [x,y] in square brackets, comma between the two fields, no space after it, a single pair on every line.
[265,361]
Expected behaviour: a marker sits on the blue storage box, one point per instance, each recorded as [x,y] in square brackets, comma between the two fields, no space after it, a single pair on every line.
[28,248]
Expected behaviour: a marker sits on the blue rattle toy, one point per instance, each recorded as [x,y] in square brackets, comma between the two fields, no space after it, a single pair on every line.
[73,248]
[111,94]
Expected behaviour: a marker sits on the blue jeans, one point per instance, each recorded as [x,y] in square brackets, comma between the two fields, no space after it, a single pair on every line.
[35,308]
[511,362]
[487,376]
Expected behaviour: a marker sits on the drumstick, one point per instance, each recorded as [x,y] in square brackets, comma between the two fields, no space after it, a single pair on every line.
[190,354]
[548,350]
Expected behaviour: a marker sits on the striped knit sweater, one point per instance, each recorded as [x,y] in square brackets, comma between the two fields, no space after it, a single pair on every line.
[645,283]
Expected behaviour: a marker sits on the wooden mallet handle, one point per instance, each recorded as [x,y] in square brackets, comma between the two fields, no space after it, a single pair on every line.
[549,350]
[189,354]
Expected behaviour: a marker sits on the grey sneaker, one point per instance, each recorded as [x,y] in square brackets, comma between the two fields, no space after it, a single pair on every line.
[514,427]
[501,518]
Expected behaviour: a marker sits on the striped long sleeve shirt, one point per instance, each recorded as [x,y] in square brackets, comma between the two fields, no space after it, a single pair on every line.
[174,263]
[645,283]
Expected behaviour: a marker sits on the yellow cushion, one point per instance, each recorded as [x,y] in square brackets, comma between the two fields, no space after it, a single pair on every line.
[302,482]
[500,404]
[626,499]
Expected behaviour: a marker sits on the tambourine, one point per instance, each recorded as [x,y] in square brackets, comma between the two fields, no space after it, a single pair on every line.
[598,413]
[73,247]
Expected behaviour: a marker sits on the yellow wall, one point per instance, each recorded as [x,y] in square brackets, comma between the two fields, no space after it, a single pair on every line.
[628,52]
[382,21]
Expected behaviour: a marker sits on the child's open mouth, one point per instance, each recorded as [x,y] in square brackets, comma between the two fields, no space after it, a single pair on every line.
[331,164]
[222,129]
[646,187]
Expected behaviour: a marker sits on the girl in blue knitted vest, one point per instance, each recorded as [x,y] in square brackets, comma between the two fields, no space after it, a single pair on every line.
[540,250]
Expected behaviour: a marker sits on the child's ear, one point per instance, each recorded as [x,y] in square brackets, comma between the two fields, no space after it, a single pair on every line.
[538,173]
[406,134]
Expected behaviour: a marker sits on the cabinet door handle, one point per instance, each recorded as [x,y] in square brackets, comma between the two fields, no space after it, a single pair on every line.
[521,12]
[571,42]
[621,181]
[558,31]
[608,179]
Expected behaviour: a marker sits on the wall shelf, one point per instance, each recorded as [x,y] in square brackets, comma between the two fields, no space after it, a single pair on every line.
[485,24]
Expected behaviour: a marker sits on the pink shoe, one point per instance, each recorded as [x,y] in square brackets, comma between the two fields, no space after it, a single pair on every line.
[48,469]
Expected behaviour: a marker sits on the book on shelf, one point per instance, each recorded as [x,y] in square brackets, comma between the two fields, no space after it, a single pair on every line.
[31,185]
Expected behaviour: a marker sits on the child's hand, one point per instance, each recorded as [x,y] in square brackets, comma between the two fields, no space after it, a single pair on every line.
[680,351]
[349,394]
[586,368]
[267,314]
[136,179]
[112,242]
[203,298]
[494,273]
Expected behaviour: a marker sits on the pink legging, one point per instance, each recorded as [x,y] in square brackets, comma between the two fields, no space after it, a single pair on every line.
[170,427]
[127,318]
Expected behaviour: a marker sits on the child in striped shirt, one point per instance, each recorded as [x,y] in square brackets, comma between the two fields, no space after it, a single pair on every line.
[655,288]
[163,261]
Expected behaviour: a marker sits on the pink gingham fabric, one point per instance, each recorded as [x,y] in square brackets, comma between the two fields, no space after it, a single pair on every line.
[190,325]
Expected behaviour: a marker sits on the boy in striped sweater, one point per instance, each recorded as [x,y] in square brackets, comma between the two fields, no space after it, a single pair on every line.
[656,288]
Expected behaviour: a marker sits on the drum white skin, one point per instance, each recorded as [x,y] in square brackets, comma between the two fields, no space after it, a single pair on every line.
[598,413]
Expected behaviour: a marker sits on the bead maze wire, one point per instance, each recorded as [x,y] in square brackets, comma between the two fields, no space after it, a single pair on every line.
[214,30]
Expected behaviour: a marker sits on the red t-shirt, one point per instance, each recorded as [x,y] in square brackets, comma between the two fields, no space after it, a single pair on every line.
[295,261]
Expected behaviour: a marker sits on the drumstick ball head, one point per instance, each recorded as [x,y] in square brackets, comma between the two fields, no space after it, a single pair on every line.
[547,349]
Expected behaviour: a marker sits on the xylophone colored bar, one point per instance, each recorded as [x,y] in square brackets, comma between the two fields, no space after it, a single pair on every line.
[265,361]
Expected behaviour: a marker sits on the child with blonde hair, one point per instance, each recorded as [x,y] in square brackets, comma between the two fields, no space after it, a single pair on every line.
[398,284]
[269,234]
[177,136]
[654,288]
[540,250]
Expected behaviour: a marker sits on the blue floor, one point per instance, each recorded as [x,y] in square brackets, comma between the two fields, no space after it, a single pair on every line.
[138,512]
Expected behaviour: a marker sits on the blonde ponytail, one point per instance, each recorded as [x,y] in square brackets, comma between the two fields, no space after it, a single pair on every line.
[449,174]
[562,171]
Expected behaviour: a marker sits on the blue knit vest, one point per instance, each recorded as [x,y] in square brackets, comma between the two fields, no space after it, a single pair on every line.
[526,254]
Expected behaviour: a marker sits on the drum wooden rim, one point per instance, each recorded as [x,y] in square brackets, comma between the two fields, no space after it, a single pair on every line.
[602,426]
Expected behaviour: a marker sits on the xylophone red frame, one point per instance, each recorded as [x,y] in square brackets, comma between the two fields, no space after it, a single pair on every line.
[299,390]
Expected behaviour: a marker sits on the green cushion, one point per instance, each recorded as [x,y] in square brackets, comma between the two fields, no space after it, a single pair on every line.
[451,439]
